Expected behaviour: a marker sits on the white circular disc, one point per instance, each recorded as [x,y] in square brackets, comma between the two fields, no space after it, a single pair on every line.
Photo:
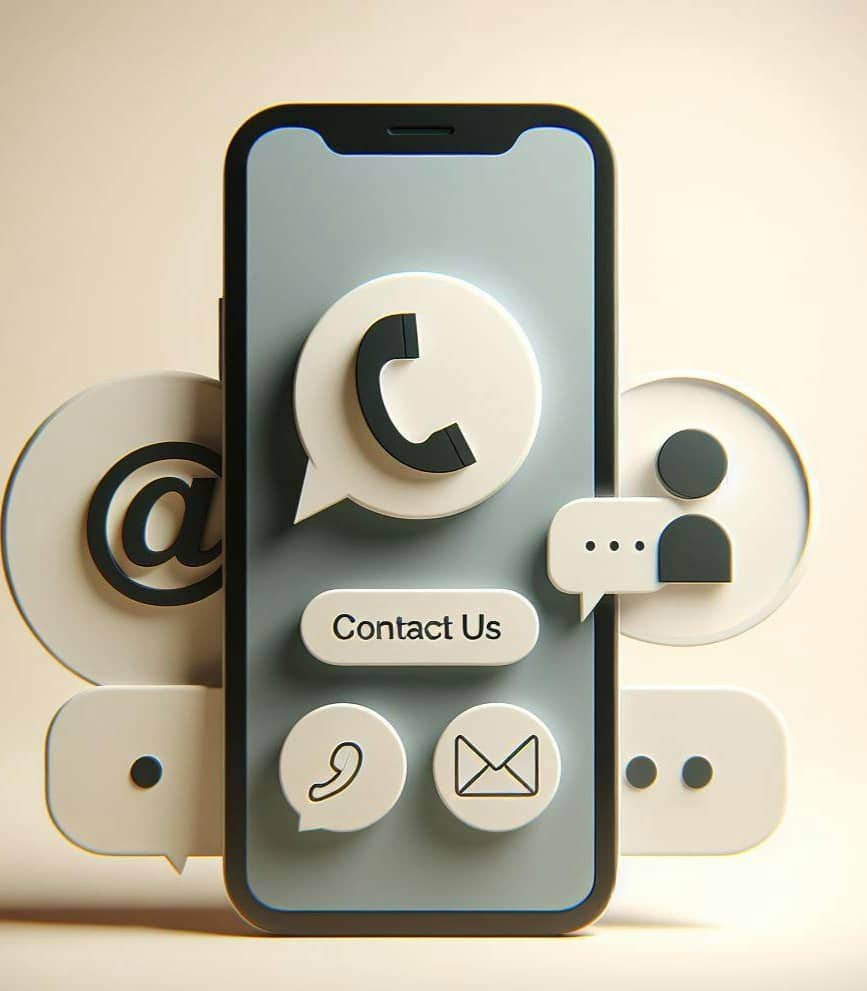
[496,767]
[763,503]
[79,616]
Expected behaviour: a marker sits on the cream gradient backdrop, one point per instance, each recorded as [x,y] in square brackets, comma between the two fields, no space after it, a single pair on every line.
[740,137]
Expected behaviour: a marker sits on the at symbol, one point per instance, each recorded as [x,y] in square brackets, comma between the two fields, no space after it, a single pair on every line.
[186,547]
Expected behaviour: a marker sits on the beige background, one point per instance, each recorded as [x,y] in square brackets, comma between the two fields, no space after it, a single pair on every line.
[739,130]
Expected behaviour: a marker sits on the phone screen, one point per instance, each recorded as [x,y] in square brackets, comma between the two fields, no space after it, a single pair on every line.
[336,611]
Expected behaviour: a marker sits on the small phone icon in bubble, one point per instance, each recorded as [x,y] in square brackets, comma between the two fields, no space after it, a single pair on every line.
[345,760]
[326,801]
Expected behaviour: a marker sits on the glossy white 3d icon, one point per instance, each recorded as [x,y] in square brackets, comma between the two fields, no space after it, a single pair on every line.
[496,767]
[599,546]
[139,770]
[342,768]
[704,770]
[120,491]
[367,410]
[763,503]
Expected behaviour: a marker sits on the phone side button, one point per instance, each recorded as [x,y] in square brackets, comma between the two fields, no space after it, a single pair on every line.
[221,320]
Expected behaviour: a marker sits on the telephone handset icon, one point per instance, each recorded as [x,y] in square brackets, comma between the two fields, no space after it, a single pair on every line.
[345,761]
[388,339]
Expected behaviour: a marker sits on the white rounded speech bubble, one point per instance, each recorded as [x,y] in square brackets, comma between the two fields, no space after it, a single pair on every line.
[342,768]
[599,546]
[91,747]
[475,368]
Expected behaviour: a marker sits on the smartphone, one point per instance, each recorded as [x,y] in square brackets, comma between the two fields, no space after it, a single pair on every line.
[418,362]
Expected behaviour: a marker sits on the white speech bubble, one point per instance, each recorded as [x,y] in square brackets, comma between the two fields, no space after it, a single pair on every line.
[342,768]
[599,546]
[475,368]
[91,747]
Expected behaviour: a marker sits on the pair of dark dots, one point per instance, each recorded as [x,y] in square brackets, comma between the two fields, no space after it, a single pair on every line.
[146,771]
[614,545]
[696,772]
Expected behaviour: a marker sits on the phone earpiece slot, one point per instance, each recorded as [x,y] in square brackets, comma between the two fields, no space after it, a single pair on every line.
[401,131]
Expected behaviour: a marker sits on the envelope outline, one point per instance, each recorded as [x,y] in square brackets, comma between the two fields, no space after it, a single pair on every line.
[531,787]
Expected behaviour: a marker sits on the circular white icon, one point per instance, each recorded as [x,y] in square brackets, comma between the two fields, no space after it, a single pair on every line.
[111,528]
[342,768]
[496,767]
[763,504]
[416,395]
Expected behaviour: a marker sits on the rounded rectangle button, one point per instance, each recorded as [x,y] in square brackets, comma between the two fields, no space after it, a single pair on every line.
[419,626]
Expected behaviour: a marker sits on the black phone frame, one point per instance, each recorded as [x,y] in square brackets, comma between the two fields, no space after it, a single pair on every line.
[403,129]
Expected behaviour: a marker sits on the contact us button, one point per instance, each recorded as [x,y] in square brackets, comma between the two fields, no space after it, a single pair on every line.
[419,626]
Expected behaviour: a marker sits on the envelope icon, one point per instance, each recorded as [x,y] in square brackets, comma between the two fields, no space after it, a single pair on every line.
[483,775]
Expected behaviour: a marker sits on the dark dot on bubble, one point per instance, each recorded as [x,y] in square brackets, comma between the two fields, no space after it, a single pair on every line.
[697,772]
[146,771]
[641,772]
[614,545]
[591,545]
[639,545]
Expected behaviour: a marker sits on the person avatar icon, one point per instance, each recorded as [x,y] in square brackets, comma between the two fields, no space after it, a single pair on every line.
[693,548]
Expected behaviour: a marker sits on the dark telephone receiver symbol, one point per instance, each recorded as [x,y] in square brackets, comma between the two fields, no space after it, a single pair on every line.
[345,761]
[391,338]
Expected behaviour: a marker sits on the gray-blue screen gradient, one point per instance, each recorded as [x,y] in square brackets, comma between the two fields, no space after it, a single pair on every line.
[520,226]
